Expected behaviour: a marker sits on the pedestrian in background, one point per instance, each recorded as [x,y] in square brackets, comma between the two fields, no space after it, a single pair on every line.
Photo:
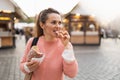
[27,33]
[58,55]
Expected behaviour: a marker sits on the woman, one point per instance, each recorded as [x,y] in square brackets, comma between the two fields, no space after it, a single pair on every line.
[54,43]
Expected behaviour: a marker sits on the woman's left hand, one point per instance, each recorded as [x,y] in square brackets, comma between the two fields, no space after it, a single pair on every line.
[64,36]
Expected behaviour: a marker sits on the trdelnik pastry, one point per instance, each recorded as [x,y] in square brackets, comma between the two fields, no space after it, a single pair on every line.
[35,54]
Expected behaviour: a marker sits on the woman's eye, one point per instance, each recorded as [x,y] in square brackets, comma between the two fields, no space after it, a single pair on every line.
[54,22]
[60,23]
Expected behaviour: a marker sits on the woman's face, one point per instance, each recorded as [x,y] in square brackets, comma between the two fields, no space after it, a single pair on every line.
[52,25]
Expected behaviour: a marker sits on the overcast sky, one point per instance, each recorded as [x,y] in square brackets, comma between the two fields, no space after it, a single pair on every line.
[32,7]
[106,10]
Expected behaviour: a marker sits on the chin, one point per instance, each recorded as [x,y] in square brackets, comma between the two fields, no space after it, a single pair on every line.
[52,35]
[55,36]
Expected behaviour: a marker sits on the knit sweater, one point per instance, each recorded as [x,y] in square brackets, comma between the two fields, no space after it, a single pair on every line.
[53,67]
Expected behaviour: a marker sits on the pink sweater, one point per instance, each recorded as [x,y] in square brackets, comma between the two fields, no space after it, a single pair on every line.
[53,66]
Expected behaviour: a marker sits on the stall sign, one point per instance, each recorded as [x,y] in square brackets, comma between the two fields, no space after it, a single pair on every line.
[4,18]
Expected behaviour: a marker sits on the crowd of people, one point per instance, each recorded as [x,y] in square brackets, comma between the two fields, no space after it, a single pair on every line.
[27,32]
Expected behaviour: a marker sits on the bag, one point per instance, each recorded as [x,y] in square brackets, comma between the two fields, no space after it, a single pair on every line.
[29,75]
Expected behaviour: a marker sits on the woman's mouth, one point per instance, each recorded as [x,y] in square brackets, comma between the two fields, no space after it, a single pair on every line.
[56,32]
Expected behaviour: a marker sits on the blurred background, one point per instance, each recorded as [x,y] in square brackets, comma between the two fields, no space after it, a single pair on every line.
[87,21]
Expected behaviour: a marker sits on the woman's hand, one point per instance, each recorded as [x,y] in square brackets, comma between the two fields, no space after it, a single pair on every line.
[33,65]
[64,36]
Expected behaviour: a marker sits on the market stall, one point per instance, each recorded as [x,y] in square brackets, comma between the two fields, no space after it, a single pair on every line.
[10,12]
[7,38]
[83,29]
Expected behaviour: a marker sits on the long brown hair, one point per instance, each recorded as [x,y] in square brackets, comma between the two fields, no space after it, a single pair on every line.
[42,17]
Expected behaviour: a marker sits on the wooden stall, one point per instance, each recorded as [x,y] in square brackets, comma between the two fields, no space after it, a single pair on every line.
[83,29]
[10,13]
[7,38]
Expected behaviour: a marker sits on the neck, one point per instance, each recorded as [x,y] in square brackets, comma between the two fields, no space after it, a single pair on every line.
[49,38]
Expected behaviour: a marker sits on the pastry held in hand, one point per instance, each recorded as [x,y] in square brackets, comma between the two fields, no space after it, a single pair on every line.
[34,53]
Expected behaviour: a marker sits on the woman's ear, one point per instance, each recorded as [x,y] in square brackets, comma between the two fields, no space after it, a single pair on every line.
[41,25]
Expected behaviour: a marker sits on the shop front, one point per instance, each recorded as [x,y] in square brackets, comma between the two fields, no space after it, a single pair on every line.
[10,13]
[84,29]
[7,38]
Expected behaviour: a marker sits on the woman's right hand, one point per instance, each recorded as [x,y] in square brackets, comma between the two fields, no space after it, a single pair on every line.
[33,65]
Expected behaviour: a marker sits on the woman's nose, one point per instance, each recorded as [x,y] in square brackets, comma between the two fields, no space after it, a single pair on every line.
[58,26]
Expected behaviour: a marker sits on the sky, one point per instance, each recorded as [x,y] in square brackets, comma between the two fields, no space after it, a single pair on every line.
[105,10]
[32,7]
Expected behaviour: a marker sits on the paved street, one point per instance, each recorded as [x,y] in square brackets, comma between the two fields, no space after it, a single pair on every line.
[95,62]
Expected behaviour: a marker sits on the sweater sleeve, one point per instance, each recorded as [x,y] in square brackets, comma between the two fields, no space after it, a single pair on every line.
[70,65]
[33,59]
[24,58]
[70,69]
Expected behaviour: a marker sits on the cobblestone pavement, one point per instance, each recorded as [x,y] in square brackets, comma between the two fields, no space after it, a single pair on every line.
[95,62]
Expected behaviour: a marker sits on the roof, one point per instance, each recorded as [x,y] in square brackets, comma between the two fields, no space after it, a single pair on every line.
[18,11]
[77,9]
